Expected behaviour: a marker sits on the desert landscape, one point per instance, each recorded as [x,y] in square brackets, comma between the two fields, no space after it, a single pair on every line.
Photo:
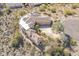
[58,39]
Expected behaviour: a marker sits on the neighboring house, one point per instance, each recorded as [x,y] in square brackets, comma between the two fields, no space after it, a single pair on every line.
[31,4]
[34,4]
[19,5]
[30,19]
[71,26]
[14,5]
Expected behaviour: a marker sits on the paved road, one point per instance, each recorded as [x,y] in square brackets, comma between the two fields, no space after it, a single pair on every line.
[71,27]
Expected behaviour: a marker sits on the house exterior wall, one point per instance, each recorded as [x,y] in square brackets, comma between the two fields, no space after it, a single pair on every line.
[43,21]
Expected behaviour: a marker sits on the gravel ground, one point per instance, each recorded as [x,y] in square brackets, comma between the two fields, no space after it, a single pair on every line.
[7,30]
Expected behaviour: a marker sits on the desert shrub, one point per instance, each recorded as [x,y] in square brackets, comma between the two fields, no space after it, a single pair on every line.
[66,52]
[36,27]
[57,26]
[1,13]
[59,42]
[6,10]
[48,50]
[52,9]
[61,51]
[50,38]
[4,6]
[1,31]
[43,7]
[19,13]
[15,40]
[57,51]
[69,42]
[43,34]
[69,12]
[73,42]
[75,5]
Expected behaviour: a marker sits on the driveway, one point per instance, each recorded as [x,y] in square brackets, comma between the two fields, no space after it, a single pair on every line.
[71,27]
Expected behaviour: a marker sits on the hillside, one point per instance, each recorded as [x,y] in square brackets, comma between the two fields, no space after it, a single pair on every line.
[12,42]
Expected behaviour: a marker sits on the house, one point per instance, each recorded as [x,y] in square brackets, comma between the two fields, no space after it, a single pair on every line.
[14,5]
[29,20]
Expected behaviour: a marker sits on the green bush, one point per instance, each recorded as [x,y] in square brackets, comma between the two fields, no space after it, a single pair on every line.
[19,13]
[6,10]
[1,30]
[15,40]
[57,51]
[43,34]
[69,12]
[57,26]
[60,51]
[52,9]
[73,42]
[69,42]
[36,27]
[43,7]
[75,5]
[1,13]
[66,52]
